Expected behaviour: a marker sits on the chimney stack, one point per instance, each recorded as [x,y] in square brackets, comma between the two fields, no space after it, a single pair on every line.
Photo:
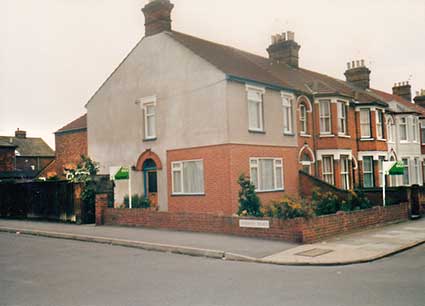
[157,16]
[20,134]
[284,49]
[358,74]
[404,90]
[420,98]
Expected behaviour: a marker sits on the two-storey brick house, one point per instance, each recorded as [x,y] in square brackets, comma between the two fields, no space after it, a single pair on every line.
[191,115]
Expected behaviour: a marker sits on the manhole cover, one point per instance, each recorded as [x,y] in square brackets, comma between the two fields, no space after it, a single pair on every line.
[314,252]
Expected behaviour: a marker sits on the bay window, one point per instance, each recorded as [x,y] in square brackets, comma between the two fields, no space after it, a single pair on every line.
[365,131]
[403,129]
[379,124]
[188,177]
[368,181]
[325,116]
[406,180]
[342,118]
[266,173]
[328,169]
[345,172]
[415,129]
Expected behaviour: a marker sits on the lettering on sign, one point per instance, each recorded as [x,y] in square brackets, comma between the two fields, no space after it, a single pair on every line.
[254,223]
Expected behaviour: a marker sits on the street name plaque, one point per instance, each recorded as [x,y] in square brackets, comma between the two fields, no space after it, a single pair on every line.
[254,223]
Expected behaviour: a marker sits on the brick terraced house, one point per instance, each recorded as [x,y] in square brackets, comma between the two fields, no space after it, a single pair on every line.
[22,156]
[190,116]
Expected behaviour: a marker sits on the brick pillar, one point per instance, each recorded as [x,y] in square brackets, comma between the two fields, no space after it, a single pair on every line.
[101,204]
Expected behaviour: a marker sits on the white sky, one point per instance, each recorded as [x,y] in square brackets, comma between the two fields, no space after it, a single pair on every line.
[54,54]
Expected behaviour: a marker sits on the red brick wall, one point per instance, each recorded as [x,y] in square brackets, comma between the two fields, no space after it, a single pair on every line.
[296,230]
[222,166]
[7,159]
[69,148]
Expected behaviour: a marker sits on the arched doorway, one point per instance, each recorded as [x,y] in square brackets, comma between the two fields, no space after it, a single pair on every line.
[150,180]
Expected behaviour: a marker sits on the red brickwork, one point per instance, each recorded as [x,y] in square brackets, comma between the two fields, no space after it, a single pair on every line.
[7,159]
[69,148]
[101,205]
[295,230]
[223,164]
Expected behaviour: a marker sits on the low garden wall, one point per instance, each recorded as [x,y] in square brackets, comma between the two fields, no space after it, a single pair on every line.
[294,230]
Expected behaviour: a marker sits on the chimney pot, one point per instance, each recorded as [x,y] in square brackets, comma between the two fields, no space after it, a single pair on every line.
[157,16]
[285,50]
[404,90]
[358,74]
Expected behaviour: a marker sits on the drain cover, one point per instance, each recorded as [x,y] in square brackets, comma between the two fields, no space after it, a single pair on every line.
[314,252]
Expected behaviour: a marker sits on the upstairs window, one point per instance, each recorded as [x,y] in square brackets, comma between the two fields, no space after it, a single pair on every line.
[325,116]
[287,114]
[415,129]
[422,133]
[391,131]
[379,124]
[266,173]
[365,131]
[303,119]
[342,118]
[148,106]
[255,109]
[403,129]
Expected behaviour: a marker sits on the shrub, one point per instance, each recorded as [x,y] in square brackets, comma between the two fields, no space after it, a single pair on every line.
[137,201]
[358,201]
[288,208]
[249,203]
[325,203]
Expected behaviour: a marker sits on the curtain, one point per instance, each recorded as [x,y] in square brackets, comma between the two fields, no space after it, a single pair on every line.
[193,177]
[266,174]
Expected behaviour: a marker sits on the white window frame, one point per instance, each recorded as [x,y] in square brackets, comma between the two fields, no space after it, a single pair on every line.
[254,162]
[369,172]
[255,95]
[144,103]
[403,123]
[379,124]
[323,117]
[406,175]
[365,126]
[345,175]
[303,119]
[415,123]
[288,116]
[177,166]
[329,174]
[422,131]
[342,117]
[390,130]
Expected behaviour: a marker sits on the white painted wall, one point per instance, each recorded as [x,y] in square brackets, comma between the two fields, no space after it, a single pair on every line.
[190,108]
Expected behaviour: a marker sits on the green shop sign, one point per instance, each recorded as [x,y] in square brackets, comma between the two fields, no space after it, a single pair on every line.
[120,173]
[397,169]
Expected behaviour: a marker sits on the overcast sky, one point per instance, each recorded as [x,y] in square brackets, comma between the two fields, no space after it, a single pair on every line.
[54,54]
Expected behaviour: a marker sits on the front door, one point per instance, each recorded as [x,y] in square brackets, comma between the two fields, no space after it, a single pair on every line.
[152,186]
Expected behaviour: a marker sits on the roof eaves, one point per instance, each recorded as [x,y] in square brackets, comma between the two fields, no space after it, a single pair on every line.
[71,131]
[263,84]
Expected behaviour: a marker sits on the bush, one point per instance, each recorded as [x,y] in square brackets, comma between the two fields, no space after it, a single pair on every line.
[249,203]
[288,208]
[325,203]
[137,201]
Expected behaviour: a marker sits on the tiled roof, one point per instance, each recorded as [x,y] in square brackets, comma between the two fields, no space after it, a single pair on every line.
[29,147]
[241,64]
[76,125]
[387,97]
[6,144]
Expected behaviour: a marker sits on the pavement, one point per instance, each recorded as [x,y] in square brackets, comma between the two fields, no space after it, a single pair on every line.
[359,247]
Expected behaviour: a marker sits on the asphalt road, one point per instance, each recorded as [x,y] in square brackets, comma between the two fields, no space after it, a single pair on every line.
[44,271]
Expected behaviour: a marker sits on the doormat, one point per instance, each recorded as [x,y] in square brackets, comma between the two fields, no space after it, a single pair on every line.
[314,252]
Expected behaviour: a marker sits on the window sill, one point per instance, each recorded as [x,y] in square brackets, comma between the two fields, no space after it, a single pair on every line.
[344,136]
[149,139]
[404,141]
[367,139]
[309,136]
[288,134]
[257,131]
[269,191]
[381,139]
[188,194]
[326,135]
